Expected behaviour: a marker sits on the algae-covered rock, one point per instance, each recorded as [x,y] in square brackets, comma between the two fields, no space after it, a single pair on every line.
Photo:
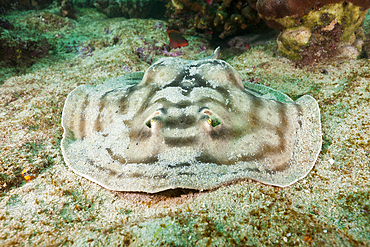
[291,41]
[319,33]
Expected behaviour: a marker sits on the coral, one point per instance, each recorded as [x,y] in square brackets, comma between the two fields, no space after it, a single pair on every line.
[313,31]
[221,17]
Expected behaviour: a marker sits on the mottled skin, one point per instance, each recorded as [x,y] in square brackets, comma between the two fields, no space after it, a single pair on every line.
[188,124]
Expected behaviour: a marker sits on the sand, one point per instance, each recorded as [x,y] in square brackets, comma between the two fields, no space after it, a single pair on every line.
[330,207]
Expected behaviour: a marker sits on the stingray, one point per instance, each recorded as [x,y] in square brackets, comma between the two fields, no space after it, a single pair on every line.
[188,124]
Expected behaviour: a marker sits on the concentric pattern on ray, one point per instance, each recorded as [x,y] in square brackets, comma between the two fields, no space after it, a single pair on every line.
[188,124]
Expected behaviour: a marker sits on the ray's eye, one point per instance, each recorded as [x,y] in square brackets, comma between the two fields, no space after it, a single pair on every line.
[214,122]
[211,118]
[154,121]
[149,123]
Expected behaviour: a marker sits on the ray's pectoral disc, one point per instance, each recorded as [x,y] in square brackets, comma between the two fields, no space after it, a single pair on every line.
[188,124]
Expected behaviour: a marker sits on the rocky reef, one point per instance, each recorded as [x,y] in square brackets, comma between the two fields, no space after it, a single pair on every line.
[313,31]
[221,18]
[310,31]
[18,47]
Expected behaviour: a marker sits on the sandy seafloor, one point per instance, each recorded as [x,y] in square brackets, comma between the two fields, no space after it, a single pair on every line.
[330,207]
